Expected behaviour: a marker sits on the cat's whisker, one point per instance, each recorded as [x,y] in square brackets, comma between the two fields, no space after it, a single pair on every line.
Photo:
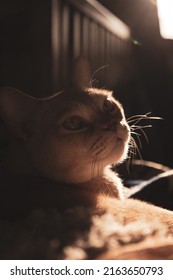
[131,153]
[135,133]
[135,127]
[138,135]
[134,149]
[128,159]
[96,71]
[142,131]
[137,149]
[139,140]
[94,83]
[145,135]
[133,121]
[138,118]
[93,166]
[96,166]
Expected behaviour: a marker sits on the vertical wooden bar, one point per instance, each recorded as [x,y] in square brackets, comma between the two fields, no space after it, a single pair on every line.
[65,43]
[85,35]
[40,47]
[76,34]
[56,32]
[93,44]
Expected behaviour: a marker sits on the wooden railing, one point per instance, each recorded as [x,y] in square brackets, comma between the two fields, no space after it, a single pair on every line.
[86,27]
[40,40]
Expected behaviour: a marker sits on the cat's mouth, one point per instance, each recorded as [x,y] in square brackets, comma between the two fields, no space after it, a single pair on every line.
[104,146]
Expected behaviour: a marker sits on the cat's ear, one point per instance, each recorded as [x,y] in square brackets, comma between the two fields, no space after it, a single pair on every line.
[15,108]
[81,75]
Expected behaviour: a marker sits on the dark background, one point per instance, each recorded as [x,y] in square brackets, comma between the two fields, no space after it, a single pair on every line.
[153,77]
[149,83]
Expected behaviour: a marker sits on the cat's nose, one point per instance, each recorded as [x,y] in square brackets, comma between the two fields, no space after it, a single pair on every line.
[115,125]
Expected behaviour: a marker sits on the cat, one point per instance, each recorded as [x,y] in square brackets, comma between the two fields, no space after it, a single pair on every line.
[61,151]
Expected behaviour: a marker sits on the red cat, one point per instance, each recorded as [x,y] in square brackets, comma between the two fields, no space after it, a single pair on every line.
[61,150]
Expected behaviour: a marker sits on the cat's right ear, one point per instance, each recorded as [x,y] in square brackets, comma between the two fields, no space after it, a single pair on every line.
[81,75]
[15,108]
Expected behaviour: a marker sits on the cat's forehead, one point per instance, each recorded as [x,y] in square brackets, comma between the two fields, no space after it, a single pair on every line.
[88,103]
[74,100]
[87,96]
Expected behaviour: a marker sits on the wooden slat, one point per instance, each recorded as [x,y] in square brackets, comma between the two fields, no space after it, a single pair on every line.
[40,41]
[94,10]
[76,33]
[85,35]
[65,43]
[56,34]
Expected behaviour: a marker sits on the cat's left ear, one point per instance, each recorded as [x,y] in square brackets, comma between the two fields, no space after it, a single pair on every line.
[15,109]
[81,75]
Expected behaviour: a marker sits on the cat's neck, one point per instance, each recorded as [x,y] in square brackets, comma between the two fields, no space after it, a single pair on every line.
[30,192]
[109,186]
[18,163]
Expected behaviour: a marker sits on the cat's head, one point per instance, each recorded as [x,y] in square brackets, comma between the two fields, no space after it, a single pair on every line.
[71,136]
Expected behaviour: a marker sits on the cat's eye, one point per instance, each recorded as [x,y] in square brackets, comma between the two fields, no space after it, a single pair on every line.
[74,123]
[109,106]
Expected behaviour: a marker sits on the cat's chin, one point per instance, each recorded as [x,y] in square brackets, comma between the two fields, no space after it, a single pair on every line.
[116,154]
